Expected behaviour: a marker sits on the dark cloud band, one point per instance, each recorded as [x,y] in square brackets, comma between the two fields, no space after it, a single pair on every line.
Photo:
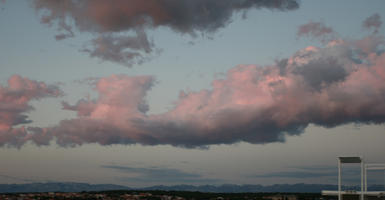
[114,21]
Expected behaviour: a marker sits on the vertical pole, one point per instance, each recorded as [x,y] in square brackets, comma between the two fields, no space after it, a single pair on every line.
[362,179]
[339,179]
[366,177]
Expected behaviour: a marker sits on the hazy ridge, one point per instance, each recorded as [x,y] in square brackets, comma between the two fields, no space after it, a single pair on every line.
[229,188]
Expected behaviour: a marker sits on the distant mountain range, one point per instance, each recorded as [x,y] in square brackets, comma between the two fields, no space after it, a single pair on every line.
[226,188]
[288,188]
[58,187]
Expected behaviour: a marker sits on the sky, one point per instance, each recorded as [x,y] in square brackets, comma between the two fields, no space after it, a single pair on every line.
[142,93]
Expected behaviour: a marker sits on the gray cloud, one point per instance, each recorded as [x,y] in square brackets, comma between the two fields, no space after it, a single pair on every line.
[302,172]
[16,178]
[349,173]
[106,19]
[161,175]
[317,168]
[296,174]
[373,22]
[125,50]
[322,72]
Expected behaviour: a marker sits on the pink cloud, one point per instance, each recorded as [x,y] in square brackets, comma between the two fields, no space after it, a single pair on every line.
[14,104]
[257,104]
[112,116]
[342,82]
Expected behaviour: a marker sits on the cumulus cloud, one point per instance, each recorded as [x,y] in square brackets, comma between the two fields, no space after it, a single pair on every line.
[316,30]
[373,22]
[339,83]
[121,104]
[328,86]
[14,103]
[110,19]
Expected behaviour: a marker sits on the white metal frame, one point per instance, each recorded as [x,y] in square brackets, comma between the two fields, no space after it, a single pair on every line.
[364,181]
[342,160]
[373,166]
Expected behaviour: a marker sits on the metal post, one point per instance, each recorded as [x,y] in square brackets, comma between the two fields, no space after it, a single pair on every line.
[366,177]
[362,179]
[339,180]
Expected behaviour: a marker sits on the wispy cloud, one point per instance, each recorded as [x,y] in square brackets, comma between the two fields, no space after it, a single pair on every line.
[161,175]
[18,179]
[7,177]
[295,174]
[350,174]
[316,168]
[316,30]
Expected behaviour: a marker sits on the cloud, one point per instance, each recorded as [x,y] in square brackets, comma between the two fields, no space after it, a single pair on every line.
[373,22]
[350,173]
[342,82]
[328,86]
[317,168]
[296,174]
[112,21]
[16,178]
[14,103]
[349,177]
[125,50]
[316,30]
[321,71]
[160,175]
[110,119]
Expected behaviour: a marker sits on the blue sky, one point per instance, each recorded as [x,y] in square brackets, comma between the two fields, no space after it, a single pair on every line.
[184,62]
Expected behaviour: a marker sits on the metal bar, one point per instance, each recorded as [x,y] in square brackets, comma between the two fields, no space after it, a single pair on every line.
[366,178]
[375,165]
[362,180]
[339,180]
[375,168]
